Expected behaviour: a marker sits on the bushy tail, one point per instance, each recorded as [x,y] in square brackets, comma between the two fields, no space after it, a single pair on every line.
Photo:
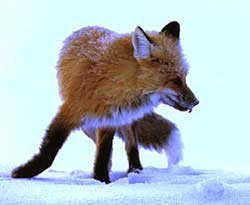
[157,133]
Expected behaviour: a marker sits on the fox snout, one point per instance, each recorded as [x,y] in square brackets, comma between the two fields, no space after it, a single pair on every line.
[195,102]
[183,100]
[188,100]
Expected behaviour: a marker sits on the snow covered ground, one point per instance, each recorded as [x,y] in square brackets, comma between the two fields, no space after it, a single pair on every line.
[178,185]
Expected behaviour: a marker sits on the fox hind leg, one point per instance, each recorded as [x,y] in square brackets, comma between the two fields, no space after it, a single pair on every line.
[55,136]
[131,147]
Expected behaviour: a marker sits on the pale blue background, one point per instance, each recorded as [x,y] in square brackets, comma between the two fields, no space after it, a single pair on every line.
[215,37]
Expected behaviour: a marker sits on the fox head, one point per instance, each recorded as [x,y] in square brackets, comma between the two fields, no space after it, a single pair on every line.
[163,67]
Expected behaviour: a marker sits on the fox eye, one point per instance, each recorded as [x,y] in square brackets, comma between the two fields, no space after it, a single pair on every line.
[165,63]
[160,61]
[177,81]
[155,60]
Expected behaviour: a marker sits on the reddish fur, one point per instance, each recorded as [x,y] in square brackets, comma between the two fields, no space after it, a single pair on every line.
[88,87]
[94,81]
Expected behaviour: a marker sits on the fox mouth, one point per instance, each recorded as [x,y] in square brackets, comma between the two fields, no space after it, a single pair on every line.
[180,108]
[177,105]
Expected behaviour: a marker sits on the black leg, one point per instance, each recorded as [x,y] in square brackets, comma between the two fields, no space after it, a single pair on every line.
[132,149]
[54,138]
[103,154]
[134,160]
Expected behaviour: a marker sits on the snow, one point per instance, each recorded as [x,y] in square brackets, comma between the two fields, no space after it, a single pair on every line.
[176,185]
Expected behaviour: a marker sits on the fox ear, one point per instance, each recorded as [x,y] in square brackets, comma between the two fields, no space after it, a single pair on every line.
[141,44]
[173,29]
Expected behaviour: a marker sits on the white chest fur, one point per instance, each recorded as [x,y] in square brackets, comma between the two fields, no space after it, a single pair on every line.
[123,116]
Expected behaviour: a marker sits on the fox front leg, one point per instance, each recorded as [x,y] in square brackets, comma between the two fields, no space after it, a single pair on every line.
[104,139]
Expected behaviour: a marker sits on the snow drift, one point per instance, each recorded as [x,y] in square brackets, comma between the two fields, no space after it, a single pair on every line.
[176,185]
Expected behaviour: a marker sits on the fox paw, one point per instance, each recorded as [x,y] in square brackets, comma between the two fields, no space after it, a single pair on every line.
[135,170]
[102,177]
[19,172]
[23,172]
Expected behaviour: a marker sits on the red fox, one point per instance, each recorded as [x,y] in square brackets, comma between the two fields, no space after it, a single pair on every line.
[151,132]
[108,80]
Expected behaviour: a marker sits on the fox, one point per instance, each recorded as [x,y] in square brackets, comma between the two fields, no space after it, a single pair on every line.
[152,132]
[109,80]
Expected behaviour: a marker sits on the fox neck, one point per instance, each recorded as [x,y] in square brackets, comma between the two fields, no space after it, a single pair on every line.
[125,114]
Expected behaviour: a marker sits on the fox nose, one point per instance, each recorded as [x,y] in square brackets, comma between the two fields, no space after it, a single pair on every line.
[196,102]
